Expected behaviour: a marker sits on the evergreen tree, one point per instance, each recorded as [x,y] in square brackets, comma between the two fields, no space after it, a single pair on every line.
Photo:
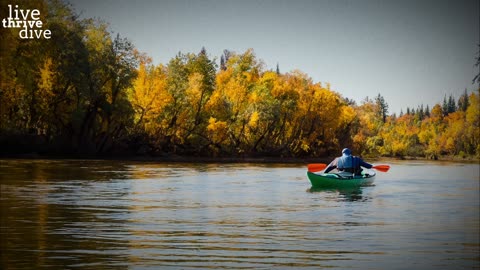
[224,59]
[278,70]
[452,107]
[445,106]
[463,102]
[394,117]
[227,55]
[427,111]
[350,102]
[222,63]
[476,79]
[382,107]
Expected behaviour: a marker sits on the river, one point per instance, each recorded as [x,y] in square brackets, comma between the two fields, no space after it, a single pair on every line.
[91,214]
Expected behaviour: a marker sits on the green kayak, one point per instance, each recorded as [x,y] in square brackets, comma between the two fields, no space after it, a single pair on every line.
[340,180]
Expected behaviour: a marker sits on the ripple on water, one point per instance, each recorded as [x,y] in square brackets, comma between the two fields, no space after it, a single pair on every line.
[111,215]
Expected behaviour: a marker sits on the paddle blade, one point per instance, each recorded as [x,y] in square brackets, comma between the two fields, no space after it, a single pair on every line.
[316,167]
[382,168]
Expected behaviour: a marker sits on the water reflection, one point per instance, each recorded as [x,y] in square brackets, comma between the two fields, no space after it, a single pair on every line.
[118,215]
[345,194]
[50,219]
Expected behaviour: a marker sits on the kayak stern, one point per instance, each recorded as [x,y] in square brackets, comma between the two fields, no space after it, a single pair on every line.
[343,180]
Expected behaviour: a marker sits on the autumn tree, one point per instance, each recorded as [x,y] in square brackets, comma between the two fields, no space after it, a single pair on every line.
[149,97]
[365,132]
[230,102]
[472,119]
[89,91]
[71,88]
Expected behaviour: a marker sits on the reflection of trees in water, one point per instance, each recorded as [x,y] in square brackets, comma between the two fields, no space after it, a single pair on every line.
[49,219]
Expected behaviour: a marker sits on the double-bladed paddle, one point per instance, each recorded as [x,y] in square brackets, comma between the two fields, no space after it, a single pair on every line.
[316,167]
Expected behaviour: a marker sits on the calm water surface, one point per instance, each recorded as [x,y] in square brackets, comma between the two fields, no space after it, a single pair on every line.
[129,215]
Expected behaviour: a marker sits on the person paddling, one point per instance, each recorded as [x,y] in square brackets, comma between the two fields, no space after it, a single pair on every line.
[348,163]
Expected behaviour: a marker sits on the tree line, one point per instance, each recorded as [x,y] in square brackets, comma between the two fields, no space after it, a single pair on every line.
[451,128]
[86,91]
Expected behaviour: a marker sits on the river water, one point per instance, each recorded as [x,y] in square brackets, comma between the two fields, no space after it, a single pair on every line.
[86,214]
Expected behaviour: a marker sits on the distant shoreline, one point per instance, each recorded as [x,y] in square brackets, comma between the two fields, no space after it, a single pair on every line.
[200,159]
[174,158]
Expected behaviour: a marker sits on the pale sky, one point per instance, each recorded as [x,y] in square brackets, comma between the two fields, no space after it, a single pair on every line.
[411,52]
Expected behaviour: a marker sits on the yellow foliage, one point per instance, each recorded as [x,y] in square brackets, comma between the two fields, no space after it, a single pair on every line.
[269,77]
[450,145]
[348,115]
[473,111]
[254,120]
[236,93]
[254,98]
[436,114]
[149,96]
[47,78]
[194,91]
[305,145]
[399,148]
[223,77]
[427,132]
[216,105]
[217,130]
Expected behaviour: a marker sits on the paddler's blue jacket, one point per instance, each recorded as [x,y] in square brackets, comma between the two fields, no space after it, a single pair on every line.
[348,163]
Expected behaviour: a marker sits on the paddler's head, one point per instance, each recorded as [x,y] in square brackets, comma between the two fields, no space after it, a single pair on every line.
[346,152]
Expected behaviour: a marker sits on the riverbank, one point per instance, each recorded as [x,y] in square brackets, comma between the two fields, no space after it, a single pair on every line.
[469,159]
[245,159]
[176,158]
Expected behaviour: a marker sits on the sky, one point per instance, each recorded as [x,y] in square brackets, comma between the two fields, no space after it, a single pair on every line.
[411,52]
